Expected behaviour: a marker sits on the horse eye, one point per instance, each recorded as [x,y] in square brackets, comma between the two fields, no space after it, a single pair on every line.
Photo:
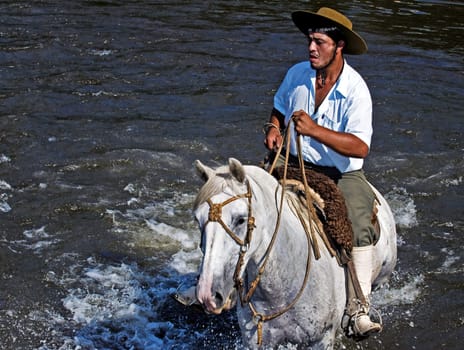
[240,221]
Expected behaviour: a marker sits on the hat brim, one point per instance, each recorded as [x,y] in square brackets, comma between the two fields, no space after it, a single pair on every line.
[304,20]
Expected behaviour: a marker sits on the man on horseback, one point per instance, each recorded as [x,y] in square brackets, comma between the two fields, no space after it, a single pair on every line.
[331,109]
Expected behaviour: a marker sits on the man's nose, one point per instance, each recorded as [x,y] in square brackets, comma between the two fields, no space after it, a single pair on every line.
[312,46]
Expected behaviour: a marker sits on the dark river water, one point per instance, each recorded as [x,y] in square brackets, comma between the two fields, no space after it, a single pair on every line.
[105,105]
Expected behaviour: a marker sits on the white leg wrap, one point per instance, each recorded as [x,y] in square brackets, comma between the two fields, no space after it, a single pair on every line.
[363,260]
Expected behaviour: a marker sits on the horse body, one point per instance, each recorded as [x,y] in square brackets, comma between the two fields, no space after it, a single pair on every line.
[314,319]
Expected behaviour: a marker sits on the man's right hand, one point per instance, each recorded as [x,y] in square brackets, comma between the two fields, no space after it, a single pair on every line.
[273,139]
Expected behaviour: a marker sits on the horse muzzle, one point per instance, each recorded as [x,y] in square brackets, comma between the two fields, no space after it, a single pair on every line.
[215,303]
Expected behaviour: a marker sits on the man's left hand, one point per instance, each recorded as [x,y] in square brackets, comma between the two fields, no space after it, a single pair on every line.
[304,125]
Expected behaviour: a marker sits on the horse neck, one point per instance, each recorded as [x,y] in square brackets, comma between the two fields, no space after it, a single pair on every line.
[266,206]
[286,265]
[287,259]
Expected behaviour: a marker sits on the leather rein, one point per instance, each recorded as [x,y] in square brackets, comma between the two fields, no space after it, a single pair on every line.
[215,215]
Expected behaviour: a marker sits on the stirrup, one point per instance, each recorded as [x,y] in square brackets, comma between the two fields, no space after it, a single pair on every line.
[369,327]
[351,322]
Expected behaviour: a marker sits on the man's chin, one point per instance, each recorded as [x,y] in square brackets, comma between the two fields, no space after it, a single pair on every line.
[314,66]
[314,63]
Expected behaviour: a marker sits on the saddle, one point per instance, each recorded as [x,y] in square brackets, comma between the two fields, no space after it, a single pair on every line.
[332,210]
[333,214]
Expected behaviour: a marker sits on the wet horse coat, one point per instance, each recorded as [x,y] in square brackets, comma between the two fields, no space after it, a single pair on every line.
[316,316]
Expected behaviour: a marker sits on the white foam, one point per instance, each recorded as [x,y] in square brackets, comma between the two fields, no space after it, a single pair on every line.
[110,293]
[4,185]
[405,293]
[171,232]
[105,93]
[132,201]
[130,188]
[36,240]
[186,262]
[99,52]
[4,206]
[118,305]
[451,263]
[36,233]
[4,159]
[452,182]
[162,208]
[403,207]
[122,304]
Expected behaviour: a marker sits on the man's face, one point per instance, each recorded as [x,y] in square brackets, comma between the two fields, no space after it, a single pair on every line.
[322,50]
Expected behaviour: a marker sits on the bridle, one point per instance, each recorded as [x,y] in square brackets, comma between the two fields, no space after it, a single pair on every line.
[215,215]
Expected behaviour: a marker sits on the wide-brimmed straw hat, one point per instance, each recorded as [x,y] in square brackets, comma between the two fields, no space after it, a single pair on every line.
[327,17]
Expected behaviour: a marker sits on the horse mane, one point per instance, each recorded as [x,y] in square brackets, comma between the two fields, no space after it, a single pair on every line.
[215,185]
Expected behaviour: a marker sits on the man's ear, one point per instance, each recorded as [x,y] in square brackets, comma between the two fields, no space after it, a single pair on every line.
[341,44]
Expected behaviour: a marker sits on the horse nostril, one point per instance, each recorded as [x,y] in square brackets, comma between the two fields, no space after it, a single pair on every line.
[218,299]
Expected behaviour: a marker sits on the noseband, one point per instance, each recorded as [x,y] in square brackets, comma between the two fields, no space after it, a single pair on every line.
[215,215]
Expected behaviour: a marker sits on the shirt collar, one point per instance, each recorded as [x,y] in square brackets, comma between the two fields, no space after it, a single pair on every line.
[343,81]
[342,85]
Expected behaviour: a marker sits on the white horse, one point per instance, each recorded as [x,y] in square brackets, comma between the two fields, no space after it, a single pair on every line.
[237,212]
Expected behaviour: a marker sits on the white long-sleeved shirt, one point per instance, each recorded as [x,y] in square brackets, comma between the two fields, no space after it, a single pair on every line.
[346,108]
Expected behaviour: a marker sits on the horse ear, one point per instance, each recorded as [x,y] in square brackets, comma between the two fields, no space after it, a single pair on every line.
[236,169]
[203,171]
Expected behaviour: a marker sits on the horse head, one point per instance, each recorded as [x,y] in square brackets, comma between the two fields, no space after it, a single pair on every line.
[223,210]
